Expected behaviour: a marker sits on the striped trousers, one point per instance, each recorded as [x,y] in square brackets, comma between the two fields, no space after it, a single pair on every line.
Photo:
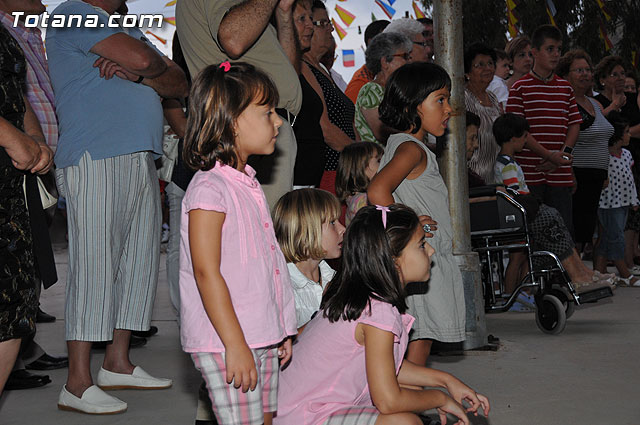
[114,222]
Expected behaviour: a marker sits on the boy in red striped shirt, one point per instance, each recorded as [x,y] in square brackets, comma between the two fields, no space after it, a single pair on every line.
[548,104]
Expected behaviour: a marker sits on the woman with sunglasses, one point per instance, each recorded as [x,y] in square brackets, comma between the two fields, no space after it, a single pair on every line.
[386,53]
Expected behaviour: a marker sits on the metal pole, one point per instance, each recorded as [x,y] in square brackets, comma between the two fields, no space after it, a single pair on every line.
[447,15]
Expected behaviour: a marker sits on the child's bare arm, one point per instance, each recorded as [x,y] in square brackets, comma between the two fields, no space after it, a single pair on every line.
[414,375]
[406,159]
[386,393]
[205,236]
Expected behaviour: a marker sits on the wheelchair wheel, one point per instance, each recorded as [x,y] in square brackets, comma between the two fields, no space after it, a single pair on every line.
[569,306]
[550,315]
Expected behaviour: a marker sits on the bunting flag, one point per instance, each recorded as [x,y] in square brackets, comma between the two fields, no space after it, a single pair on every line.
[634,58]
[171,21]
[346,16]
[551,7]
[342,33]
[388,10]
[417,11]
[391,2]
[551,20]
[603,8]
[160,39]
[608,45]
[348,58]
[373,17]
[171,3]
[512,20]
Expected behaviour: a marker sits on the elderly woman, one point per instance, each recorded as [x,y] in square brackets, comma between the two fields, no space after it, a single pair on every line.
[519,52]
[338,110]
[591,152]
[417,33]
[479,67]
[22,149]
[386,53]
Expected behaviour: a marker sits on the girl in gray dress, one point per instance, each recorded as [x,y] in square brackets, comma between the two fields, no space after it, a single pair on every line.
[416,103]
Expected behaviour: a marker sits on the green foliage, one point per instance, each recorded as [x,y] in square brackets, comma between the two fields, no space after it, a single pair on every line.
[579,20]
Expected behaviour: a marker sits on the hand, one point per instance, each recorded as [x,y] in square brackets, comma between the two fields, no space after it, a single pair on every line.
[453,407]
[241,368]
[284,351]
[45,160]
[425,219]
[619,100]
[109,68]
[461,393]
[554,161]
[24,156]
[635,207]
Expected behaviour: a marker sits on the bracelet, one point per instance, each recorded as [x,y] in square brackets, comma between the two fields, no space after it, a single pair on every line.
[139,80]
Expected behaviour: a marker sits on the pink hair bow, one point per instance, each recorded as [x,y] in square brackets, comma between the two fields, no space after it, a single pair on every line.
[384,211]
[226,66]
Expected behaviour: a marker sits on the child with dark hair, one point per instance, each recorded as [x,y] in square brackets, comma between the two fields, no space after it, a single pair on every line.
[358,164]
[416,103]
[548,230]
[236,304]
[615,201]
[349,367]
[549,105]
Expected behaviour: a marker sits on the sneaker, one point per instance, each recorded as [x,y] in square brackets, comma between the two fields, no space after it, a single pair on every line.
[527,300]
[635,270]
[165,233]
[521,308]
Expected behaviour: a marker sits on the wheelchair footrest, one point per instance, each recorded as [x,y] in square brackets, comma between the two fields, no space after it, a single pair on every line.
[594,295]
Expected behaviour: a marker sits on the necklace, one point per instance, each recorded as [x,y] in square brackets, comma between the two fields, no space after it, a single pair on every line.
[547,79]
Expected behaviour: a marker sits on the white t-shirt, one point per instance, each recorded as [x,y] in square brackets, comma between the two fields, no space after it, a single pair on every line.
[306,292]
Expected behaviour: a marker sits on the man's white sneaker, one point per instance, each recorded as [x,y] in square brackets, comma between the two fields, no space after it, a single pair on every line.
[139,380]
[94,401]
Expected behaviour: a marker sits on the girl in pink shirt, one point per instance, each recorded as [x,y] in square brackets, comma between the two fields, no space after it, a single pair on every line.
[237,309]
[348,367]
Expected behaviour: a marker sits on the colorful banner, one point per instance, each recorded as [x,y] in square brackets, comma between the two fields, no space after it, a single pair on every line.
[171,21]
[419,13]
[388,10]
[512,20]
[160,39]
[608,45]
[346,16]
[603,8]
[348,58]
[342,33]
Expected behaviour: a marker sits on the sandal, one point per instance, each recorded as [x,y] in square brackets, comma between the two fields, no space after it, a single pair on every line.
[630,281]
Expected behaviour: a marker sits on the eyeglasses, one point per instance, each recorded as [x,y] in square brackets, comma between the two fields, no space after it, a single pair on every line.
[405,56]
[488,64]
[581,71]
[622,74]
[323,23]
[421,43]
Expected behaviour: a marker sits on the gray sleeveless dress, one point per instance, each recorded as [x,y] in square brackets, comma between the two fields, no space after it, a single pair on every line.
[440,312]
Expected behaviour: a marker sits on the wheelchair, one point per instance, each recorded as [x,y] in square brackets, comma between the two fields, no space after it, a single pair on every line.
[498,224]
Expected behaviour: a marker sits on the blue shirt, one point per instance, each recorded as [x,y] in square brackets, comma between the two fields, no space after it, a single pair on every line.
[106,118]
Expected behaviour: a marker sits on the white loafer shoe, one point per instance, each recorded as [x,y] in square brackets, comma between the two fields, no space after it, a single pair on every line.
[139,380]
[94,401]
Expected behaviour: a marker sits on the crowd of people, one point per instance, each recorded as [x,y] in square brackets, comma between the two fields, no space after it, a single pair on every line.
[310,248]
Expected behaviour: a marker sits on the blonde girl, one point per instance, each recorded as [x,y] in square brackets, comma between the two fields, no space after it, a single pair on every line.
[237,310]
[308,230]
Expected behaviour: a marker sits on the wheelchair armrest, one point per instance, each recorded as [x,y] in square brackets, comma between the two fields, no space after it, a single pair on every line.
[489,190]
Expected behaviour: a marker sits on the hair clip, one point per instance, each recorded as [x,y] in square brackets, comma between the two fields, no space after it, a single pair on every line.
[384,211]
[225,65]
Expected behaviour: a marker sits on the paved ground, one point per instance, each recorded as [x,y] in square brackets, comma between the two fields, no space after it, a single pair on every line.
[587,375]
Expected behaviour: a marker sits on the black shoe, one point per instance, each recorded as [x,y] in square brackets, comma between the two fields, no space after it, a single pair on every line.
[134,342]
[47,362]
[42,317]
[146,334]
[23,380]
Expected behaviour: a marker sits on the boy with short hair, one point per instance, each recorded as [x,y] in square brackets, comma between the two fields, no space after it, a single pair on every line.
[548,104]
[511,133]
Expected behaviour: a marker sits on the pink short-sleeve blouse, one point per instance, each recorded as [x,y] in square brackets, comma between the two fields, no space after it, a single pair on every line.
[251,263]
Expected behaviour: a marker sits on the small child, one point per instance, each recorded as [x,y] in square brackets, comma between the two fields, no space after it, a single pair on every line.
[416,103]
[358,164]
[237,307]
[308,230]
[615,201]
[349,367]
[548,230]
